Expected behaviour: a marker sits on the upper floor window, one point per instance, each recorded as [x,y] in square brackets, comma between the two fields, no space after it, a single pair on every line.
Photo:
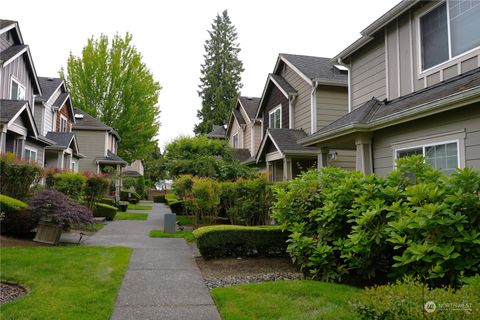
[275,118]
[443,156]
[17,91]
[30,154]
[235,140]
[449,30]
[63,124]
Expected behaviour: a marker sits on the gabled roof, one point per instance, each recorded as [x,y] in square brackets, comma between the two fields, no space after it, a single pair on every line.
[11,53]
[6,25]
[420,103]
[313,69]
[111,158]
[286,142]
[10,110]
[279,82]
[87,122]
[218,132]
[49,86]
[241,154]
[61,139]
[250,105]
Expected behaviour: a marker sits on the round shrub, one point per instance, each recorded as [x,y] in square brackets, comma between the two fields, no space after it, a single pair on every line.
[104,210]
[70,183]
[159,199]
[17,176]
[109,201]
[15,218]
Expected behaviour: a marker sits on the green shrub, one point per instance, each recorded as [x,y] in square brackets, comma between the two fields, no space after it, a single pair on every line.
[410,300]
[205,199]
[104,210]
[159,199]
[69,183]
[128,182]
[140,186]
[96,187]
[130,196]
[15,219]
[240,241]
[17,176]
[176,206]
[123,206]
[109,201]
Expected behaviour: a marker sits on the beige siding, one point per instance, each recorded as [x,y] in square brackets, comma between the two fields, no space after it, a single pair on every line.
[302,110]
[91,144]
[257,137]
[345,159]
[236,129]
[39,116]
[368,72]
[332,103]
[467,119]
[248,135]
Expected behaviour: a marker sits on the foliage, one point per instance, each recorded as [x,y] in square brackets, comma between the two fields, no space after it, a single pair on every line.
[109,201]
[96,187]
[286,300]
[104,210]
[159,199]
[139,207]
[131,216]
[58,208]
[16,220]
[155,168]
[408,300]
[112,83]
[186,234]
[140,186]
[240,241]
[130,196]
[68,282]
[70,183]
[220,81]
[17,176]
[205,199]
[128,182]
[415,221]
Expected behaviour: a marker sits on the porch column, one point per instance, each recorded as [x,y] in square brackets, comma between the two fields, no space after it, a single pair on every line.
[118,184]
[322,158]
[3,139]
[68,165]
[364,156]
[20,152]
[60,157]
[269,171]
[287,169]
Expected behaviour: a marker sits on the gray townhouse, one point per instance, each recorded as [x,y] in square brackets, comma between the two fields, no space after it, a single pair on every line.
[414,88]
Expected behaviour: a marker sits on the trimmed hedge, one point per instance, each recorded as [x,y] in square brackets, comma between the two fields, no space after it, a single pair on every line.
[159,199]
[14,217]
[18,176]
[130,196]
[109,201]
[123,206]
[104,210]
[240,241]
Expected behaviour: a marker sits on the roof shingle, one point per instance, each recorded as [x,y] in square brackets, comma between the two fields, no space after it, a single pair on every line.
[287,139]
[9,108]
[49,86]
[316,68]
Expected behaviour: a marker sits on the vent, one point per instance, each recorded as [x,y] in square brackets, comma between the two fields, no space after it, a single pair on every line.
[78,116]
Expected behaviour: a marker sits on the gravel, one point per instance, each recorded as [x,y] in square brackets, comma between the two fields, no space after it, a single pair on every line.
[10,291]
[218,282]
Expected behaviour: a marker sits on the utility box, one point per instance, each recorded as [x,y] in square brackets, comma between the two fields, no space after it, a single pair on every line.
[170,223]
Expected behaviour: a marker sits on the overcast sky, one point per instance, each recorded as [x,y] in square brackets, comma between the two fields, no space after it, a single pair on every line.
[171,34]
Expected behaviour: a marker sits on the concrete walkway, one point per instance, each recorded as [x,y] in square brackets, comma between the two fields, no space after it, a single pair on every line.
[162,281]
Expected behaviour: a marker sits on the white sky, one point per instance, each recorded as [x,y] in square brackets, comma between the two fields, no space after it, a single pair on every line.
[171,34]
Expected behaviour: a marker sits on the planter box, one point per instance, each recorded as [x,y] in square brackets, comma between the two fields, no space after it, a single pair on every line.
[48,233]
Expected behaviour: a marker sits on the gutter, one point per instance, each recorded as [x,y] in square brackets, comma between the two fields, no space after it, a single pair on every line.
[349,81]
[313,108]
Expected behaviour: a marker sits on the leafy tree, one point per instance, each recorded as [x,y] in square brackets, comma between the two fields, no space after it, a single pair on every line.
[221,75]
[155,166]
[110,82]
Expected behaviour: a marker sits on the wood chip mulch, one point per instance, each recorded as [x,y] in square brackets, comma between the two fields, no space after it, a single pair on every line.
[9,291]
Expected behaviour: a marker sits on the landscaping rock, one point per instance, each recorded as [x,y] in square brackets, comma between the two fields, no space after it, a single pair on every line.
[219,282]
[10,292]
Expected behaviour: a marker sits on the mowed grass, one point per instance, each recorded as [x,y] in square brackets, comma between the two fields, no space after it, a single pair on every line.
[131,216]
[132,206]
[186,234]
[64,282]
[187,220]
[286,300]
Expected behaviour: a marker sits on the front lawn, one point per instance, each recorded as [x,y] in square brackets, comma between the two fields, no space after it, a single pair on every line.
[64,282]
[186,234]
[131,216]
[132,206]
[296,299]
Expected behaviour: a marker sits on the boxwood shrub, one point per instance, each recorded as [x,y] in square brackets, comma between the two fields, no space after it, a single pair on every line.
[159,199]
[14,217]
[104,210]
[109,201]
[130,196]
[240,241]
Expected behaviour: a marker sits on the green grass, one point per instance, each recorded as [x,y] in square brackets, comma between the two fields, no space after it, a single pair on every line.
[95,227]
[187,220]
[64,282]
[131,216]
[132,206]
[186,234]
[146,201]
[295,300]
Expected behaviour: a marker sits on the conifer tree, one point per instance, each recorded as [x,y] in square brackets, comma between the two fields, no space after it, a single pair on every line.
[220,75]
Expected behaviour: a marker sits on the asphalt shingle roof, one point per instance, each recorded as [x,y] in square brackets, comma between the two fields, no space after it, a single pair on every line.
[9,108]
[316,68]
[286,139]
[6,23]
[61,139]
[49,85]
[217,132]
[111,157]
[374,110]
[241,154]
[239,116]
[283,84]
[61,99]
[11,52]
[250,105]
[88,121]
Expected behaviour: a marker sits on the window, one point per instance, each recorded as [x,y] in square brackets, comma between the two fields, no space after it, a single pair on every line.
[30,154]
[73,167]
[449,30]
[63,124]
[442,156]
[275,117]
[17,91]
[235,140]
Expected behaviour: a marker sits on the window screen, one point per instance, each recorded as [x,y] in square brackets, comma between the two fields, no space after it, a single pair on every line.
[434,37]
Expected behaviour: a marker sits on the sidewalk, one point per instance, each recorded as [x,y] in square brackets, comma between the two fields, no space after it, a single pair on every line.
[162,280]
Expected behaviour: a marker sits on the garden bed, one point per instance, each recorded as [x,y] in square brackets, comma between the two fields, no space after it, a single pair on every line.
[10,291]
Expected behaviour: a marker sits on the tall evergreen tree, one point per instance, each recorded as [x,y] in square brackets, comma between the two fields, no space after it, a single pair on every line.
[111,82]
[221,75]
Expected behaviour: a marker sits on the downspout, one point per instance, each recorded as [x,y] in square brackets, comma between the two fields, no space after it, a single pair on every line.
[349,68]
[313,111]
[291,112]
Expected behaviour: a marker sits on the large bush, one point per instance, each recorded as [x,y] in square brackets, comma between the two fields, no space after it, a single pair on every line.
[70,183]
[17,176]
[104,210]
[96,187]
[414,221]
[240,241]
[15,218]
[205,199]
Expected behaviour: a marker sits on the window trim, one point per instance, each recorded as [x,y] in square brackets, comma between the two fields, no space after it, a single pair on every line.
[279,107]
[31,149]
[62,117]
[12,80]
[451,58]
[233,140]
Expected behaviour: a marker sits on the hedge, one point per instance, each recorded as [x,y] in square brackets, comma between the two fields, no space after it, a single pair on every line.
[240,241]
[69,183]
[104,210]
[159,199]
[130,196]
[109,201]
[18,176]
[14,219]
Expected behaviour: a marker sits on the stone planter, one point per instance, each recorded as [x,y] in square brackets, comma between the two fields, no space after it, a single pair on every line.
[48,232]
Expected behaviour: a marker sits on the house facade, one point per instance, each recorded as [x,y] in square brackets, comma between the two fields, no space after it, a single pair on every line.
[303,93]
[414,89]
[134,169]
[18,87]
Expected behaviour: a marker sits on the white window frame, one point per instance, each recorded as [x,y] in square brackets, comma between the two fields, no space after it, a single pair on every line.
[235,145]
[62,117]
[419,40]
[434,140]
[272,112]
[20,85]
[30,150]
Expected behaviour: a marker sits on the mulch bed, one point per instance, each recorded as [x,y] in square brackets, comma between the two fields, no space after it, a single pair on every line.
[10,291]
